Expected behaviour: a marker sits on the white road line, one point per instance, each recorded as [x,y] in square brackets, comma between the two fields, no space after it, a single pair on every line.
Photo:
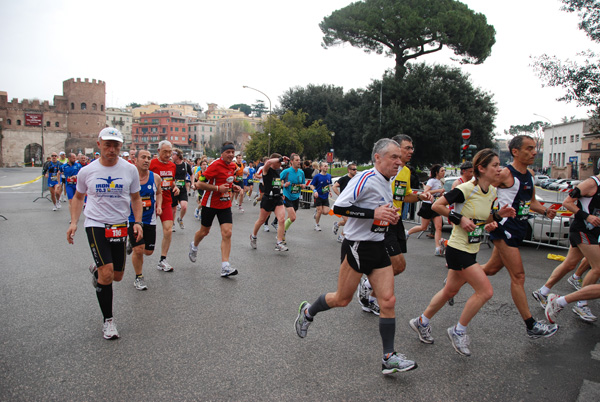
[596,352]
[590,391]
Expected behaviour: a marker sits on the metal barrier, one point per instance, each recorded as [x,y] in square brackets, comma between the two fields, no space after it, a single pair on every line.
[306,199]
[44,189]
[542,231]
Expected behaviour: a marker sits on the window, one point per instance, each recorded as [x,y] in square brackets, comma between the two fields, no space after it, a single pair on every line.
[83,106]
[211,129]
[94,106]
[48,124]
[18,122]
[577,138]
[183,129]
[572,138]
[176,138]
[171,128]
[564,160]
[56,124]
[102,108]
[72,106]
[177,129]
[565,139]
[8,121]
[164,130]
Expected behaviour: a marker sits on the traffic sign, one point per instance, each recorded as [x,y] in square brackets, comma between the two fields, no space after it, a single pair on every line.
[466,134]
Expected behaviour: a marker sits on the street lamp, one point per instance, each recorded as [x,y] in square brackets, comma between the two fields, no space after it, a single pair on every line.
[551,141]
[269,128]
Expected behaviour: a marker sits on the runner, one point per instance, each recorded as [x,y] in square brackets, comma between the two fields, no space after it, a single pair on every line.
[151,207]
[62,159]
[338,187]
[473,201]
[217,183]
[293,182]
[272,200]
[70,171]
[197,173]
[466,174]
[52,172]
[395,237]
[182,171]
[165,168]
[367,202]
[110,184]
[515,188]
[261,189]
[584,202]
[321,184]
[248,180]
[239,180]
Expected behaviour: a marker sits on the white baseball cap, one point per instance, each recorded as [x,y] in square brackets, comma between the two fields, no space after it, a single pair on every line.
[125,153]
[110,133]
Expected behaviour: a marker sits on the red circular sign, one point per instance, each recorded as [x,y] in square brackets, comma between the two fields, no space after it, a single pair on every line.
[466,134]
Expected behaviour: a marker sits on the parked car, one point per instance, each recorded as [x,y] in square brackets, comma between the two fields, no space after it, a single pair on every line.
[546,230]
[546,182]
[448,181]
[537,179]
[571,184]
[554,186]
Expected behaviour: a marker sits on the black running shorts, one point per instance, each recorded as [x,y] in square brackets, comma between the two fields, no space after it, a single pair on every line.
[104,251]
[459,260]
[365,256]
[395,239]
[149,239]
[269,203]
[208,215]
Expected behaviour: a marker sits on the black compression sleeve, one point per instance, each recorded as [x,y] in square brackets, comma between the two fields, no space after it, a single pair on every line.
[454,196]
[354,211]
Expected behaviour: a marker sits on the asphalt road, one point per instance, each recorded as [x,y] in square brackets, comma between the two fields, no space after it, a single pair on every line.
[196,336]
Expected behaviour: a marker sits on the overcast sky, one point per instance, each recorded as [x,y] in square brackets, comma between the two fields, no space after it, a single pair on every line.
[205,51]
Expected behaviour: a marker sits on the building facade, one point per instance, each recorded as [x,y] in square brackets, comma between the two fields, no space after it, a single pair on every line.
[31,129]
[158,126]
[121,119]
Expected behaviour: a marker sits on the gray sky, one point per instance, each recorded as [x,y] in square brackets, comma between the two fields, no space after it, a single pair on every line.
[205,51]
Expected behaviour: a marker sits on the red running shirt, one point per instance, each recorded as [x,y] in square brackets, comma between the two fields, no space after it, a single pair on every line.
[166,171]
[218,173]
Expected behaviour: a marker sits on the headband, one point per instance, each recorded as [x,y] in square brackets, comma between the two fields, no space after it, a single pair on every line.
[227,147]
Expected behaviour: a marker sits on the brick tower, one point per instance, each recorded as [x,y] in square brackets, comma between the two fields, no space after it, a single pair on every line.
[86,114]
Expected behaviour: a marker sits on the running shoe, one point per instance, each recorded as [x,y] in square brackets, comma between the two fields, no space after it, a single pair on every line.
[254,202]
[438,252]
[274,224]
[336,227]
[196,213]
[406,234]
[540,328]
[266,228]
[552,308]
[54,207]
[241,209]
[140,283]
[302,321]
[178,207]
[576,283]
[94,271]
[253,241]
[129,247]
[372,307]
[58,205]
[164,266]
[397,363]
[362,294]
[423,331]
[228,271]
[110,329]
[585,313]
[193,252]
[317,227]
[460,341]
[180,221]
[443,246]
[280,246]
[537,295]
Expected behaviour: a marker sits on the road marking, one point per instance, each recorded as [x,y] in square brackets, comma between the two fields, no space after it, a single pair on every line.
[22,184]
[596,352]
[590,391]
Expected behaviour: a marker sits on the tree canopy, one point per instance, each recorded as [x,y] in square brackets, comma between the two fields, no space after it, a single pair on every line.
[242,107]
[407,29]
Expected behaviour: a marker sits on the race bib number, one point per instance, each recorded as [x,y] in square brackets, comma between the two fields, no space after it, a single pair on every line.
[295,189]
[400,190]
[380,226]
[276,183]
[54,177]
[146,203]
[72,180]
[116,233]
[239,178]
[166,183]
[523,211]
[180,183]
[477,234]
[325,189]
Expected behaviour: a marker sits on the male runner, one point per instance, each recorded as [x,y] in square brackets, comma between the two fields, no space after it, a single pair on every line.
[320,184]
[151,195]
[515,188]
[52,173]
[70,170]
[466,174]
[338,187]
[239,180]
[182,171]
[367,202]
[62,159]
[111,185]
[217,183]
[395,237]
[165,168]
[272,200]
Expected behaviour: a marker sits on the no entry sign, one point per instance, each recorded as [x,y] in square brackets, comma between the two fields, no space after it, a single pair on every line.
[466,134]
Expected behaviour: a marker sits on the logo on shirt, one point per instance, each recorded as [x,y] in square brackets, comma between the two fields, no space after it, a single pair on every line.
[109,186]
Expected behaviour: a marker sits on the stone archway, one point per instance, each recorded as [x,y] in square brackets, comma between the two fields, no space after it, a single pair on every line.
[33,151]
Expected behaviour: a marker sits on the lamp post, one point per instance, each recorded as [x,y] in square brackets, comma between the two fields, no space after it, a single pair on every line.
[551,141]
[269,128]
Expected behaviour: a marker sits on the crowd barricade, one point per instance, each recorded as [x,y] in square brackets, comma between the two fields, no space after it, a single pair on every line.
[45,189]
[306,199]
[541,231]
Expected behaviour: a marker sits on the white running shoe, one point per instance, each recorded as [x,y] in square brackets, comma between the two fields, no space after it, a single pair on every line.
[164,266]
[140,283]
[317,227]
[110,329]
[281,247]
[266,228]
[228,271]
[584,313]
[54,207]
[336,227]
[58,205]
[552,308]
[253,241]
[193,252]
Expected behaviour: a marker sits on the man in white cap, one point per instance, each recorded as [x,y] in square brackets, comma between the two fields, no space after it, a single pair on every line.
[111,185]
